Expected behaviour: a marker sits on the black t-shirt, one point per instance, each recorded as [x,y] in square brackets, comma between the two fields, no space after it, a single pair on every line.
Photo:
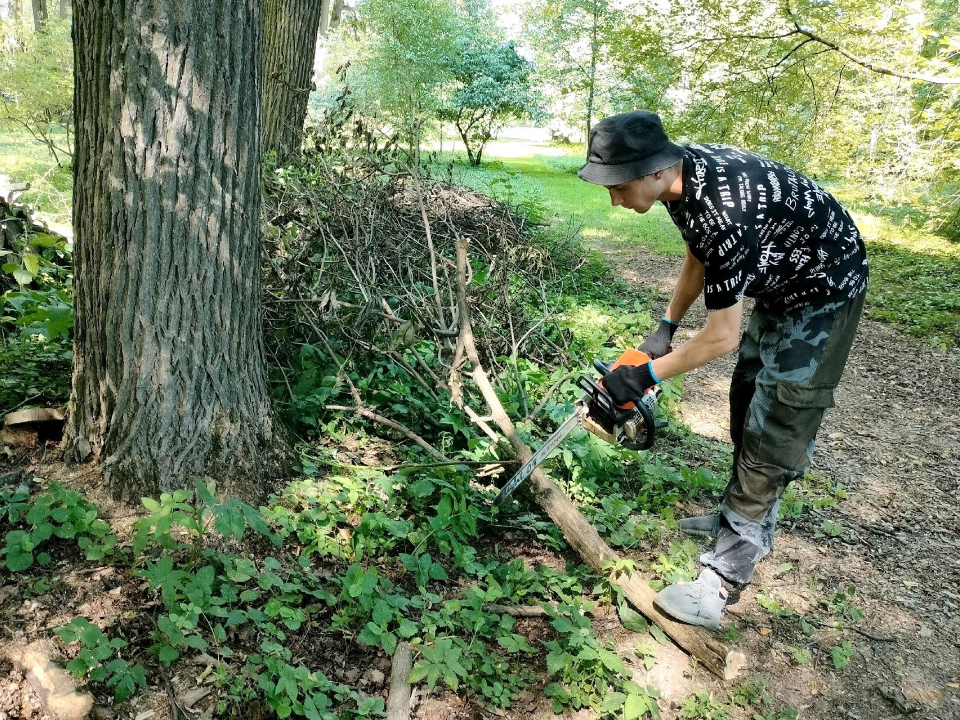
[764,230]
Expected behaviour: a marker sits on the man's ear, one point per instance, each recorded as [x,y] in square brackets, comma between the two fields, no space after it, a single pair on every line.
[658,174]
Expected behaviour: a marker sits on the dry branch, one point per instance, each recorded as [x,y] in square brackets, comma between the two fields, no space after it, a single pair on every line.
[398,701]
[578,532]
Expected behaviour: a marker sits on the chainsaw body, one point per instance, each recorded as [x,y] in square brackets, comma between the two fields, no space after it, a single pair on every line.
[632,425]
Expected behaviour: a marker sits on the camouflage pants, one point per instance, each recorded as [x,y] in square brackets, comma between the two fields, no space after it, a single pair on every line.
[788,368]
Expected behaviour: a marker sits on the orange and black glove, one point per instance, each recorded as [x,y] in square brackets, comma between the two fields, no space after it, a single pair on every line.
[658,344]
[628,383]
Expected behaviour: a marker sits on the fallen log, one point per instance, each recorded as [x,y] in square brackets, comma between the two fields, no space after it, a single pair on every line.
[584,538]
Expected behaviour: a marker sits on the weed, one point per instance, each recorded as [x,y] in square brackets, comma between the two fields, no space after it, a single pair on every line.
[841,654]
[799,656]
[96,649]
[702,706]
[57,513]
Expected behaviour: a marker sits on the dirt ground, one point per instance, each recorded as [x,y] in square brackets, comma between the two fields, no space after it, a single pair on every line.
[893,441]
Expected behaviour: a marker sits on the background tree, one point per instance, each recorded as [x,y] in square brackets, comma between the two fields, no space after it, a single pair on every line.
[572,41]
[492,87]
[40,14]
[169,374]
[400,56]
[290,42]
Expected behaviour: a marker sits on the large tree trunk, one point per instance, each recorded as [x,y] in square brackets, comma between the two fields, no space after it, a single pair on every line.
[169,377]
[39,14]
[290,43]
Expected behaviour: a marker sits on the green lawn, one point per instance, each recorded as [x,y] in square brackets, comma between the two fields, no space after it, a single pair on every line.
[24,159]
[915,276]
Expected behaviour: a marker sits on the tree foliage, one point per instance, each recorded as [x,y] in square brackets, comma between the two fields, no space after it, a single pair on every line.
[36,85]
[492,86]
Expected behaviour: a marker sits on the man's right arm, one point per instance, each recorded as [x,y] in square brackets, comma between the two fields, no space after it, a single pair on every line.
[688,289]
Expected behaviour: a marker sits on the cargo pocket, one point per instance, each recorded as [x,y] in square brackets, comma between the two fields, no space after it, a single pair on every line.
[804,396]
[791,425]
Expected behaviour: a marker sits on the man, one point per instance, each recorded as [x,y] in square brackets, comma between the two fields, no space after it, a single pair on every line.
[759,229]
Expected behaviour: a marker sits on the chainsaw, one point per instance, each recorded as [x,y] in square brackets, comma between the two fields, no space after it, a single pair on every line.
[633,425]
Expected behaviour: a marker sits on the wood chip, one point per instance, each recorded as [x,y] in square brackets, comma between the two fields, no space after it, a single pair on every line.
[193,696]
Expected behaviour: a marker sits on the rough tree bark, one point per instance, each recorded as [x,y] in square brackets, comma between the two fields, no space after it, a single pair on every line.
[169,378]
[290,42]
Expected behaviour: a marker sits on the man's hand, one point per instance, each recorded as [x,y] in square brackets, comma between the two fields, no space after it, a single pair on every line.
[628,383]
[658,344]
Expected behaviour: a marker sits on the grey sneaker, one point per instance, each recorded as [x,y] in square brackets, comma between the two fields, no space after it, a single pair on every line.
[700,602]
[704,525]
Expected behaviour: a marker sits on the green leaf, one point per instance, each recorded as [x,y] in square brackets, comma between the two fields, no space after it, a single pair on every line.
[31,262]
[631,619]
[612,702]
[612,661]
[167,655]
[659,635]
[22,276]
[389,642]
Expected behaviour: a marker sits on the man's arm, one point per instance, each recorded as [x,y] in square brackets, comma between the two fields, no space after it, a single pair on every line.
[719,336]
[689,286]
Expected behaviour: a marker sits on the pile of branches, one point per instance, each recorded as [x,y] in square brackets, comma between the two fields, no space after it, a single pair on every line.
[361,248]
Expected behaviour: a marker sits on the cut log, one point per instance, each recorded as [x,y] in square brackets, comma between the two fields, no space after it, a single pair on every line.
[584,538]
[398,702]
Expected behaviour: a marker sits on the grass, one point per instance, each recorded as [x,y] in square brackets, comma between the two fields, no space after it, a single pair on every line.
[915,275]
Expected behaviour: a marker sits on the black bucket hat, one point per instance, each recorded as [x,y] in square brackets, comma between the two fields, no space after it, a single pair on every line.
[628,146]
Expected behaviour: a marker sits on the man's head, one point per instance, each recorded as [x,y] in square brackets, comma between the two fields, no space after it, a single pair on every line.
[632,157]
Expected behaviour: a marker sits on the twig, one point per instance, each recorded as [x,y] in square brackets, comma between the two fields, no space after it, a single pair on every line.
[369,414]
[417,466]
[546,397]
[17,407]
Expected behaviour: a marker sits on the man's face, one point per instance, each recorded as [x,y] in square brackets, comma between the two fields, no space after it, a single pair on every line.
[638,195]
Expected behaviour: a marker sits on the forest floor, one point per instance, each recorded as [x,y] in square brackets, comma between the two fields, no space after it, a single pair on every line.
[889,567]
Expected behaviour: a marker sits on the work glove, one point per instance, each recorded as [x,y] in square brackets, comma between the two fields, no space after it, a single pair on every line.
[658,344]
[628,382]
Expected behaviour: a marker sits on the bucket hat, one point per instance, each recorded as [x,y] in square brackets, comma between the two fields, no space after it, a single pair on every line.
[626,147]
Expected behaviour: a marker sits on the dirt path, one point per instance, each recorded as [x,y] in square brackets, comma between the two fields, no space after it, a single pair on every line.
[893,441]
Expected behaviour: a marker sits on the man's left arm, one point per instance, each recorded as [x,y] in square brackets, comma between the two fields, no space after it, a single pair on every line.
[719,336]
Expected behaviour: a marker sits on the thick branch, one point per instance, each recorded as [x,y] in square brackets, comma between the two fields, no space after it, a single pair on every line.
[807,31]
[578,532]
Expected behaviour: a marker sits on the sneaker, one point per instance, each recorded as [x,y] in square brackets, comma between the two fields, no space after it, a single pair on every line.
[703,526]
[700,602]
